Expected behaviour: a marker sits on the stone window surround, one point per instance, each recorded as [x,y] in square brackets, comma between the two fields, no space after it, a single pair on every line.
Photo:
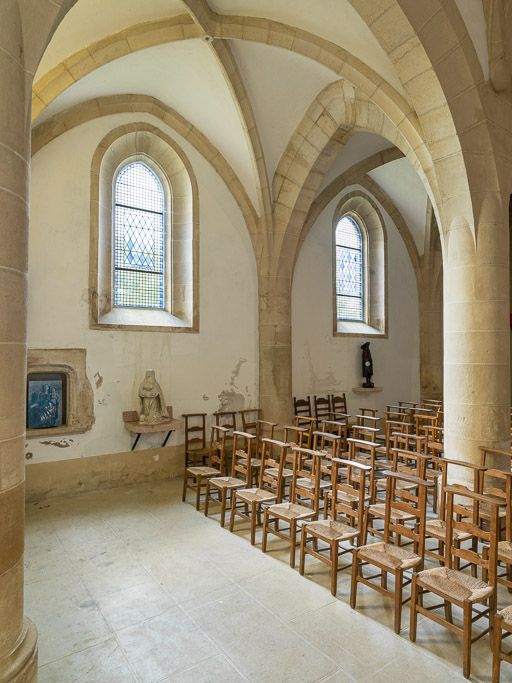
[80,403]
[142,141]
[362,208]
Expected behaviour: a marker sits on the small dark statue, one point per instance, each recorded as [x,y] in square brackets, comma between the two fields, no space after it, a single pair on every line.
[367,366]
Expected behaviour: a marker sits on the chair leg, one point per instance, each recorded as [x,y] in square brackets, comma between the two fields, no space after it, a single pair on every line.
[398,600]
[353,584]
[264,532]
[207,499]
[466,655]
[303,541]
[254,519]
[448,615]
[184,494]
[223,499]
[414,612]
[334,568]
[293,541]
[496,650]
[232,515]
[198,493]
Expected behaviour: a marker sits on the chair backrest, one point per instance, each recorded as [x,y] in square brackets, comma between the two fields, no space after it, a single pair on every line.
[367,420]
[195,431]
[364,433]
[348,493]
[409,462]
[371,412]
[226,418]
[296,436]
[495,457]
[302,406]
[409,442]
[397,414]
[485,553]
[309,423]
[409,500]
[322,407]
[424,417]
[250,417]
[244,450]
[472,472]
[218,446]
[339,428]
[339,403]
[327,443]
[498,483]
[307,477]
[395,427]
[364,452]
[273,457]
[265,430]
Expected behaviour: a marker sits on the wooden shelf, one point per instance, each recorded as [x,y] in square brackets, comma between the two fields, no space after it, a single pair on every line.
[364,390]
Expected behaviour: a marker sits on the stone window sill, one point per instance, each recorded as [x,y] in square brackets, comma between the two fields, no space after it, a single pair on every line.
[357,329]
[142,319]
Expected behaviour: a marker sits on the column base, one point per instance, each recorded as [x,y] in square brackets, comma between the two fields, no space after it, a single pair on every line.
[20,665]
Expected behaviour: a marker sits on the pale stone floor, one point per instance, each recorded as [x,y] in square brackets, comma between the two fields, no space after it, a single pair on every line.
[130,584]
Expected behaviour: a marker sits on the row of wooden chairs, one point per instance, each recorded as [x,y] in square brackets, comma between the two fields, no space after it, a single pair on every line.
[295,483]
[321,407]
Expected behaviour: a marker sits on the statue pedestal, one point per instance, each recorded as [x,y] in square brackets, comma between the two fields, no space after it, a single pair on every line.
[365,390]
[133,424]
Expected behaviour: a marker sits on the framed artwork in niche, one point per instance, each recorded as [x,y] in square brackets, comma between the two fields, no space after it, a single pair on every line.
[46,400]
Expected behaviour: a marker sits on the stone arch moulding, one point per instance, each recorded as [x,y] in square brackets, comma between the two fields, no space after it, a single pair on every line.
[148,143]
[365,212]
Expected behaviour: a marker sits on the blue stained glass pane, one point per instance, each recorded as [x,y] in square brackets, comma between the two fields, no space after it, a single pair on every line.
[349,270]
[139,238]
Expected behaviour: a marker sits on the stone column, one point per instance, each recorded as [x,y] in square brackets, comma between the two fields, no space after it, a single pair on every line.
[18,638]
[476,335]
[275,347]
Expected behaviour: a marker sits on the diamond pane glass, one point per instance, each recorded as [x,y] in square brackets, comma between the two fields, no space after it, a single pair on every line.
[139,238]
[349,270]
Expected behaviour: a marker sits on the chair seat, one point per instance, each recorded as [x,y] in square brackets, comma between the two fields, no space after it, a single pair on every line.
[506,613]
[346,497]
[379,510]
[203,471]
[432,475]
[273,472]
[227,482]
[400,484]
[484,508]
[389,556]
[455,584]
[436,528]
[255,462]
[256,495]
[291,511]
[308,484]
[505,551]
[328,530]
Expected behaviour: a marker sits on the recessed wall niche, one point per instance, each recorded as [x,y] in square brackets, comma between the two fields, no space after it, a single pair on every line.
[59,394]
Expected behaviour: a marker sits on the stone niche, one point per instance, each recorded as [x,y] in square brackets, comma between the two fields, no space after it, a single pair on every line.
[79,395]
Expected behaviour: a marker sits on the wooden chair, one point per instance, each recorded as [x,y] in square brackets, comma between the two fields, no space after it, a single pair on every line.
[502,628]
[404,462]
[302,406]
[264,430]
[196,451]
[365,452]
[247,503]
[339,403]
[303,504]
[322,407]
[343,524]
[295,436]
[310,424]
[370,412]
[250,417]
[220,489]
[329,445]
[456,587]
[195,477]
[437,528]
[406,512]
[227,418]
[338,428]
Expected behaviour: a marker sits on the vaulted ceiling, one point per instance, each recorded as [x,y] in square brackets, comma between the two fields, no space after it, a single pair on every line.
[181,68]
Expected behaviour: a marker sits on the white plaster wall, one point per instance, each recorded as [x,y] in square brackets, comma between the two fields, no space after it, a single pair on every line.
[323,363]
[196,371]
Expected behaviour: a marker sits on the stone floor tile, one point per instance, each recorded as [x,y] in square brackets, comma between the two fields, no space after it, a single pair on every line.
[213,670]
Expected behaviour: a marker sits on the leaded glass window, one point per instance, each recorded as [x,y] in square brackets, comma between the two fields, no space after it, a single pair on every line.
[349,270]
[139,238]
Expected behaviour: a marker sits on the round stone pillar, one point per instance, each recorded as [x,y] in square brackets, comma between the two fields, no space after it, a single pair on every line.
[275,348]
[476,336]
[18,639]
